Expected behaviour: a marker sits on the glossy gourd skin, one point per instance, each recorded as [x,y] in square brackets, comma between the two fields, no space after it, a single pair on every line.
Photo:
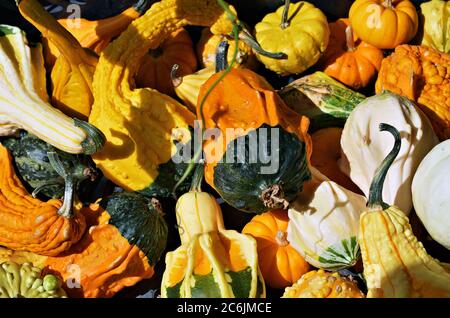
[321,284]
[27,107]
[303,40]
[46,228]
[396,265]
[348,59]
[253,107]
[211,261]
[384,23]
[26,281]
[364,147]
[421,74]
[323,223]
[125,238]
[156,66]
[430,193]
[325,101]
[281,265]
[136,153]
[435,16]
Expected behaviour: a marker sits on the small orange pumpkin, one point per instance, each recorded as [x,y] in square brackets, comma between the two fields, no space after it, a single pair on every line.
[156,67]
[281,265]
[348,59]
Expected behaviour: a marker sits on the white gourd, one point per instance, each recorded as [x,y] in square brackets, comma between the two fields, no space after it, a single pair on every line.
[364,148]
[431,193]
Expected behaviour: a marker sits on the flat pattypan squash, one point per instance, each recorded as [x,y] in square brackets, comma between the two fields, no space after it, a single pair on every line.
[431,193]
[364,147]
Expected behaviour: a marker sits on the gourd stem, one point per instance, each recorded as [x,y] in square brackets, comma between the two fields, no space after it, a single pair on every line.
[95,138]
[69,185]
[249,40]
[281,238]
[284,18]
[349,39]
[376,188]
[176,80]
[38,189]
[141,6]
[198,153]
[221,56]
[196,185]
[388,4]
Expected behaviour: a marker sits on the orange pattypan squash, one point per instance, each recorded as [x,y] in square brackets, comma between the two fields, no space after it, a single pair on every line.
[348,59]
[384,23]
[281,265]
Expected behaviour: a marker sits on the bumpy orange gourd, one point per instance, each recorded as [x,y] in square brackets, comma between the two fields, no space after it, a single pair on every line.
[422,74]
[326,155]
[321,284]
[348,59]
[29,224]
[384,23]
[102,263]
[281,265]
[207,49]
[156,66]
[94,34]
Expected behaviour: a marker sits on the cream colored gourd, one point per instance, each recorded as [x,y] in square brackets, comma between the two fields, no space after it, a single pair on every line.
[431,193]
[22,100]
[365,148]
[323,223]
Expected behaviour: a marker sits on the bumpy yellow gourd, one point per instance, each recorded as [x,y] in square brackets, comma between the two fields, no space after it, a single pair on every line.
[139,123]
[396,265]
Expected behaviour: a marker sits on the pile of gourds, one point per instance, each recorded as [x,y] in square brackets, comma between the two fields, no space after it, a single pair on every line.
[104,125]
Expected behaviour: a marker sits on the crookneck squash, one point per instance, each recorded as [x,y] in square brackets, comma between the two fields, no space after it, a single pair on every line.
[384,23]
[435,16]
[423,75]
[321,284]
[348,59]
[430,193]
[396,265]
[34,167]
[156,67]
[73,70]
[95,34]
[23,102]
[298,30]
[325,101]
[142,125]
[323,223]
[126,237]
[26,281]
[258,158]
[281,265]
[46,228]
[211,261]
[207,49]
[364,147]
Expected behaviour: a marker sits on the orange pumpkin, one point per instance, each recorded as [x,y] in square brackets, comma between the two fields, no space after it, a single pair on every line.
[326,155]
[384,23]
[348,59]
[281,265]
[156,67]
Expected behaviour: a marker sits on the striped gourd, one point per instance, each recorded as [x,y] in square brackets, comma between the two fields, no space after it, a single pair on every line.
[323,224]
[23,104]
[211,261]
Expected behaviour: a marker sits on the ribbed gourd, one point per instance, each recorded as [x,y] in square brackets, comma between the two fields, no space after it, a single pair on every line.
[211,261]
[435,16]
[396,265]
[27,281]
[24,102]
[142,125]
[46,228]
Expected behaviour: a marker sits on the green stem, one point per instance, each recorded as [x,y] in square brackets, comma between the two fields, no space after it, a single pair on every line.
[221,56]
[197,179]
[245,36]
[376,188]
[38,189]
[95,138]
[284,18]
[69,185]
[142,6]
